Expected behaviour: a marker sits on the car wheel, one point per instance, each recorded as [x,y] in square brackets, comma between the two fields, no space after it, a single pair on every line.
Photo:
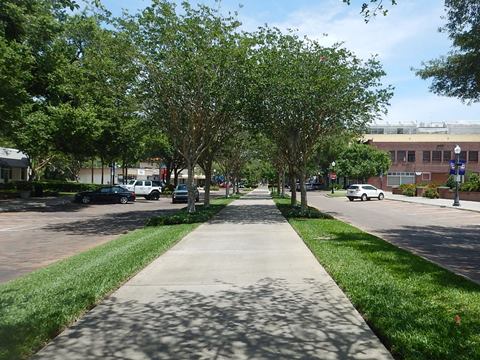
[123,200]
[350,198]
[364,197]
[380,196]
[86,200]
[155,196]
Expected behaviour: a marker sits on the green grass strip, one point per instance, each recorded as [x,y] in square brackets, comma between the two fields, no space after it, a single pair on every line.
[36,307]
[418,309]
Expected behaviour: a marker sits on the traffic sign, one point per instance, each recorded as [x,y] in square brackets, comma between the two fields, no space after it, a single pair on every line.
[333,176]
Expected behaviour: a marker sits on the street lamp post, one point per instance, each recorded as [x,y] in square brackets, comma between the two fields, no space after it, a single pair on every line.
[331,177]
[457,150]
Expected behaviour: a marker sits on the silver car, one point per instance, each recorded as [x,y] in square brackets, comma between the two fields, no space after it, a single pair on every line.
[364,192]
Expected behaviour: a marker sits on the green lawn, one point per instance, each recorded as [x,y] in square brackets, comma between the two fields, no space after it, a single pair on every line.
[338,193]
[410,303]
[36,307]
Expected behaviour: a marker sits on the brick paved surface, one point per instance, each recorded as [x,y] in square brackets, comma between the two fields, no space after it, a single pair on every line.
[35,238]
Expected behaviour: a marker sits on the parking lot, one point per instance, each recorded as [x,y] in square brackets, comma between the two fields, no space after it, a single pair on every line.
[33,239]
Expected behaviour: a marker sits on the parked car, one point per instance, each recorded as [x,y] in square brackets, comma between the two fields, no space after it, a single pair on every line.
[106,194]
[308,186]
[180,194]
[150,190]
[364,192]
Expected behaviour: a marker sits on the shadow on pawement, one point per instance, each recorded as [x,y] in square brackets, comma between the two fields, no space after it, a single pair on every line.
[270,319]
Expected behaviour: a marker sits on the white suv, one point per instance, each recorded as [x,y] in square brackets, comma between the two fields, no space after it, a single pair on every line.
[364,192]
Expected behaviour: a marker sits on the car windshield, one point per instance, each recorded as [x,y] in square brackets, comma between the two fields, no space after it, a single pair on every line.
[131,182]
[182,187]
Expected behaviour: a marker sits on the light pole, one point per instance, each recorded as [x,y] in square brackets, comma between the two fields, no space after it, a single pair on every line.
[457,150]
[331,177]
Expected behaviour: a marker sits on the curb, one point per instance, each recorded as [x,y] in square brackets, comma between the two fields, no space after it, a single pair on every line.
[437,205]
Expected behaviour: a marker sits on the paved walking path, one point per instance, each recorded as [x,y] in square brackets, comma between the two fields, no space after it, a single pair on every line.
[243,286]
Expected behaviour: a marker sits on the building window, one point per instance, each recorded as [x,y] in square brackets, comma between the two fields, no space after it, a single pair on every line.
[473,156]
[436,156]
[463,156]
[392,155]
[401,155]
[399,178]
[426,176]
[426,156]
[399,130]
[5,174]
[411,156]
[447,155]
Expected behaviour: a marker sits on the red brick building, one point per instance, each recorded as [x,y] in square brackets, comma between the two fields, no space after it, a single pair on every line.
[418,158]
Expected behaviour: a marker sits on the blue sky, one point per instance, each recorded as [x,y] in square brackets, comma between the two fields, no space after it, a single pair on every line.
[402,40]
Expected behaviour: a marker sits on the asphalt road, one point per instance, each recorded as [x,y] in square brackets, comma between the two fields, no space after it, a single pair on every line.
[448,237]
[33,239]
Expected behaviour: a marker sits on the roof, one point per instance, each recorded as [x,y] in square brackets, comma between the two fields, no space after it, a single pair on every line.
[410,138]
[13,158]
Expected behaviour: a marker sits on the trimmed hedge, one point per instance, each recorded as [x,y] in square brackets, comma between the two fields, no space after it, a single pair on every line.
[201,214]
[295,212]
[50,186]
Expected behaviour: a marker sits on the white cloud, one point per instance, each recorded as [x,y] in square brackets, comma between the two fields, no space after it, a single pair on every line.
[385,36]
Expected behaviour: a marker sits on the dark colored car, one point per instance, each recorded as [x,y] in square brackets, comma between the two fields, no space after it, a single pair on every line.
[108,194]
[180,194]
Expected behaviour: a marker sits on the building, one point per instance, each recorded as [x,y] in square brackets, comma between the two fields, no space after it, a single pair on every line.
[423,157]
[14,165]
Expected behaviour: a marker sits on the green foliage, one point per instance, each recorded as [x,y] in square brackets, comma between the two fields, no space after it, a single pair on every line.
[361,161]
[472,183]
[408,189]
[431,193]
[52,186]
[296,212]
[202,214]
[451,182]
[456,74]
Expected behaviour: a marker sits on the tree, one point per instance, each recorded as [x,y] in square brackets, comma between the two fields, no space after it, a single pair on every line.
[27,30]
[192,63]
[305,92]
[458,73]
[361,161]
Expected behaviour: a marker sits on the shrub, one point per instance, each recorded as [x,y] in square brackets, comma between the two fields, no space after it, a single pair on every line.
[450,182]
[472,184]
[408,189]
[290,212]
[202,214]
[431,193]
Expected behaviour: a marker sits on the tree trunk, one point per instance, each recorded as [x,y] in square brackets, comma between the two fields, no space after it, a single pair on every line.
[227,185]
[102,173]
[293,188]
[237,184]
[190,187]
[93,179]
[175,177]
[278,183]
[168,173]
[208,178]
[283,183]
[303,190]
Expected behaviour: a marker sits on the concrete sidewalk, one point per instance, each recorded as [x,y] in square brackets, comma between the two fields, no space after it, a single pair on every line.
[464,205]
[243,286]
